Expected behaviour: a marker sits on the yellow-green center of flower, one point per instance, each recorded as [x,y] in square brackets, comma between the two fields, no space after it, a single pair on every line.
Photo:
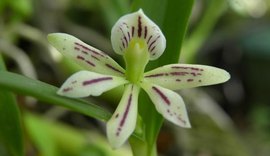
[136,57]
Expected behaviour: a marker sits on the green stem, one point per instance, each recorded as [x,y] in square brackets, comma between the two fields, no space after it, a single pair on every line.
[142,148]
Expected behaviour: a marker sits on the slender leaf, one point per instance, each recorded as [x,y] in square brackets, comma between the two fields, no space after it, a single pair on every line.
[11,142]
[112,10]
[54,138]
[214,9]
[47,93]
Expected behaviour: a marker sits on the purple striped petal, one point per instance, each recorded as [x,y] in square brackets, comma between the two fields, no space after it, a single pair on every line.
[138,25]
[88,57]
[168,103]
[85,83]
[179,76]
[123,121]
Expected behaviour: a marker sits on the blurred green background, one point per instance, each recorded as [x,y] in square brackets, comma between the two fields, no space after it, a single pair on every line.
[231,119]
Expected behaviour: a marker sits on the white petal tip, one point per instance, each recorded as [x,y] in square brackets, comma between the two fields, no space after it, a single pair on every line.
[227,76]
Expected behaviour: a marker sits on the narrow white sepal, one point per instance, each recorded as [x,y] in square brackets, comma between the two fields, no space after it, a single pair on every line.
[85,83]
[180,76]
[87,56]
[138,25]
[168,103]
[123,121]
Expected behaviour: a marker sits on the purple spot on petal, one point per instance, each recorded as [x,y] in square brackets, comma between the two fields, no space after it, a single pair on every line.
[80,57]
[194,74]
[67,89]
[189,80]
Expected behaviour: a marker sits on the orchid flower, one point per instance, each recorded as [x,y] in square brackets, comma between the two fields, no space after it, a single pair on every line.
[139,40]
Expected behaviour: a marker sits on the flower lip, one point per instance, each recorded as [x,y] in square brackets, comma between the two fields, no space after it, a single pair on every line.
[138,25]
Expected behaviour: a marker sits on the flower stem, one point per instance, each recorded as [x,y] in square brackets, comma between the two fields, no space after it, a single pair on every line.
[142,148]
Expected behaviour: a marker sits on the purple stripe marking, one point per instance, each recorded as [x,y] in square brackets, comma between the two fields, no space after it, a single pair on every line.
[145,32]
[95,57]
[85,52]
[113,68]
[93,81]
[160,93]
[123,44]
[179,73]
[126,111]
[152,48]
[149,39]
[153,42]
[123,120]
[90,63]
[80,57]
[192,68]
[76,48]
[181,120]
[128,36]
[89,49]
[125,38]
[179,67]
[155,75]
[132,31]
[139,26]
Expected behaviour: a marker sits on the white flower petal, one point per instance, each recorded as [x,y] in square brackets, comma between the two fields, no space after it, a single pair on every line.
[123,121]
[179,76]
[88,57]
[138,25]
[168,103]
[85,83]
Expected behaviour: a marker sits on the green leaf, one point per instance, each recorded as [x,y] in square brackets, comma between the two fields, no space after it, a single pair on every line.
[47,93]
[214,9]
[11,142]
[53,138]
[112,10]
